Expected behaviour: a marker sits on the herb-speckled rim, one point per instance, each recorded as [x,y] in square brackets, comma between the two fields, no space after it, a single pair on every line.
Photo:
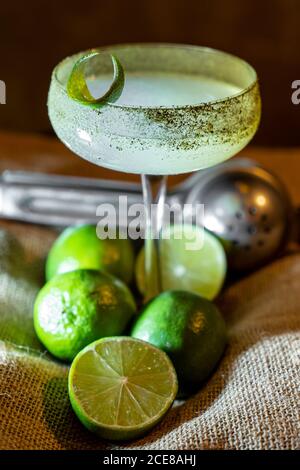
[161,45]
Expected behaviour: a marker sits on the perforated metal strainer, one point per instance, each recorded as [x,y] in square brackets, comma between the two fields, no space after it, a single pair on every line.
[248,208]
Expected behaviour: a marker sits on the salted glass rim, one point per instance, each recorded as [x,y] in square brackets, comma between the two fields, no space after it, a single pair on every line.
[146,45]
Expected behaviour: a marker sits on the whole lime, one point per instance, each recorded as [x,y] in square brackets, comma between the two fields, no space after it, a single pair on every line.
[75,308]
[189,328]
[80,248]
[191,259]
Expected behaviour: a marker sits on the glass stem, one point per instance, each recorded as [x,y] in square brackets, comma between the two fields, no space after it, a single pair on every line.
[154,194]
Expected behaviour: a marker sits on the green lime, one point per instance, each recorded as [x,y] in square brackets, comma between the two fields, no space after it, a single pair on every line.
[77,87]
[201,270]
[189,328]
[121,387]
[75,308]
[79,248]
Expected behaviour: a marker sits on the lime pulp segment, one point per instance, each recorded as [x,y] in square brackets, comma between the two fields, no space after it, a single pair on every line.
[120,387]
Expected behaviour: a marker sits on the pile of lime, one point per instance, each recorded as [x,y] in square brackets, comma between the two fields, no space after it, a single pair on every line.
[121,386]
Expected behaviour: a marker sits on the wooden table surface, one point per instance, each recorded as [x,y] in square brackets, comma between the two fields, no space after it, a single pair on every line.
[47,154]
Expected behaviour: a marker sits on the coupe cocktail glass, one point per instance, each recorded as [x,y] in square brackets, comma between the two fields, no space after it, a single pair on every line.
[183,108]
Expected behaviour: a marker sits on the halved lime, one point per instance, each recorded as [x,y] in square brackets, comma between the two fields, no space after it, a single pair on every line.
[120,387]
[191,259]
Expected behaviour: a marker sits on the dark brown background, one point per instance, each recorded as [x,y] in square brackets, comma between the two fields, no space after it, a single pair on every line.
[35,35]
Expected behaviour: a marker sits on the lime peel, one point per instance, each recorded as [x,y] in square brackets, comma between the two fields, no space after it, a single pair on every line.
[77,88]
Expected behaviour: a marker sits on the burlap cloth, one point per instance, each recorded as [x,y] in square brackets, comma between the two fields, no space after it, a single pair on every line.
[250,402]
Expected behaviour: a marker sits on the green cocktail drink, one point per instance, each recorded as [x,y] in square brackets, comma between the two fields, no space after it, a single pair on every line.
[183,108]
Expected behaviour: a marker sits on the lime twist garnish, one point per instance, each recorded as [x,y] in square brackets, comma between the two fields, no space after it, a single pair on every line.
[77,87]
